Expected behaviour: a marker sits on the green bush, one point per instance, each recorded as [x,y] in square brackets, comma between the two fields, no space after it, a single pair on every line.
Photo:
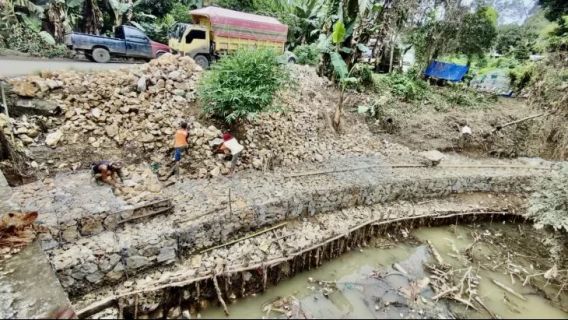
[521,76]
[27,41]
[308,54]
[403,85]
[364,74]
[241,85]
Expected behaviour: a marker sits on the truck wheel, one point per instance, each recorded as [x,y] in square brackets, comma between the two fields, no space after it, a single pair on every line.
[292,61]
[101,55]
[202,61]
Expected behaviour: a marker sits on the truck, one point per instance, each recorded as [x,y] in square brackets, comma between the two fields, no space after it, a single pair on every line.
[128,42]
[216,31]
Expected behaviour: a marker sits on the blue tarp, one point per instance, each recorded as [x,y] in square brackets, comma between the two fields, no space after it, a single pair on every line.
[446,71]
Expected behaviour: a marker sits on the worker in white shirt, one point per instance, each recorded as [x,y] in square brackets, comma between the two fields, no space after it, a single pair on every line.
[230,144]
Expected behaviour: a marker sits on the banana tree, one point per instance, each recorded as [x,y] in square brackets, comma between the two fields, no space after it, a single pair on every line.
[342,73]
[122,8]
[92,21]
[25,13]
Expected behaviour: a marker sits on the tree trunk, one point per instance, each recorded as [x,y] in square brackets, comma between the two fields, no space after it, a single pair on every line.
[92,17]
[57,20]
[391,55]
[338,111]
[130,12]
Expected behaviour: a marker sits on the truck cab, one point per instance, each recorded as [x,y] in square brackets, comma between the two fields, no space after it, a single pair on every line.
[192,40]
[216,31]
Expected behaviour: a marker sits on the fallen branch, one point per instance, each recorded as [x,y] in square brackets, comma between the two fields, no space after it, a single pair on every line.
[220,296]
[244,238]
[435,253]
[445,292]
[511,291]
[478,300]
[500,127]
[467,303]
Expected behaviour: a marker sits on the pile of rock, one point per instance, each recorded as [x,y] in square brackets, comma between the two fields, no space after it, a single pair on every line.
[133,114]
[136,110]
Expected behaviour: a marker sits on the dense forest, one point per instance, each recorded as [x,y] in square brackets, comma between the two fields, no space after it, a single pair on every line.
[433,28]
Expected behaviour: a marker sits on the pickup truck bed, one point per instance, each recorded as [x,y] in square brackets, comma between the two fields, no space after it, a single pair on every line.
[129,42]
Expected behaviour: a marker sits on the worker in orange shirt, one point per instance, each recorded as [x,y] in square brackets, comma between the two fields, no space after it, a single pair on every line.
[181,141]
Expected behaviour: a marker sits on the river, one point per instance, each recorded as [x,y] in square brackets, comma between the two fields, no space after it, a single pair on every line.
[388,279]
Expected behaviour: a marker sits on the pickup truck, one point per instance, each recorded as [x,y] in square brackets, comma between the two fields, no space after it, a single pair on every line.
[128,42]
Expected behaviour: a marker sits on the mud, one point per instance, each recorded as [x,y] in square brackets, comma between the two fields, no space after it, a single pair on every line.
[376,290]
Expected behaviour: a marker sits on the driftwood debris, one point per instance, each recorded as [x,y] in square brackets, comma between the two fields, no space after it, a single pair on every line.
[509,290]
[478,300]
[445,292]
[500,127]
[220,295]
[435,253]
[337,244]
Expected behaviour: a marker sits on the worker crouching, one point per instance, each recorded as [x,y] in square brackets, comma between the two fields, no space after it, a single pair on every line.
[108,172]
[232,146]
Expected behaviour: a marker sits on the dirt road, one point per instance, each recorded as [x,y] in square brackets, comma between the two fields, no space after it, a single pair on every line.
[17,66]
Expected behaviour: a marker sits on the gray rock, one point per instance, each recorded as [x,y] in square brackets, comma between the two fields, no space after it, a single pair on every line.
[53,138]
[88,268]
[95,277]
[151,251]
[35,107]
[142,84]
[432,157]
[137,262]
[167,255]
[109,263]
[174,75]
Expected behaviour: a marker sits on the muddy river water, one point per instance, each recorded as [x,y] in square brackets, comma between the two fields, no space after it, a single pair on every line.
[388,278]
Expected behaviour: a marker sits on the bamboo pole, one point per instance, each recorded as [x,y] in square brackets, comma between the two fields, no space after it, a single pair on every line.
[406,166]
[220,296]
[244,238]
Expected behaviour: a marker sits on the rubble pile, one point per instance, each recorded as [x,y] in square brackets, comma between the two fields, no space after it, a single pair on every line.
[139,105]
[133,114]
[302,131]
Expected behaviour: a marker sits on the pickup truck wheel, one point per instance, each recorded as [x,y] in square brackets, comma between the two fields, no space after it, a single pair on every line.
[101,55]
[292,61]
[202,61]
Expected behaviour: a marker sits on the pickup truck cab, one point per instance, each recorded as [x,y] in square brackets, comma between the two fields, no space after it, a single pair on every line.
[128,42]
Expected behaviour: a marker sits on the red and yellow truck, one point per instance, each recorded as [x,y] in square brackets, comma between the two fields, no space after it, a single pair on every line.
[216,31]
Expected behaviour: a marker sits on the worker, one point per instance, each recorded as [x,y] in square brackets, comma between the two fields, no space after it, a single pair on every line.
[107,172]
[181,142]
[230,144]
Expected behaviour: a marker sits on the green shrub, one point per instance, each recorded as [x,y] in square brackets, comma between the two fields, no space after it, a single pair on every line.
[308,54]
[364,74]
[403,85]
[27,41]
[241,85]
[521,76]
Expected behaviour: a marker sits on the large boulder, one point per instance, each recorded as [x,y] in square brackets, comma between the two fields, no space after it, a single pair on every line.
[432,157]
[52,139]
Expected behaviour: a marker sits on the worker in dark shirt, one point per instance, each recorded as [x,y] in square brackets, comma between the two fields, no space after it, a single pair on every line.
[107,172]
